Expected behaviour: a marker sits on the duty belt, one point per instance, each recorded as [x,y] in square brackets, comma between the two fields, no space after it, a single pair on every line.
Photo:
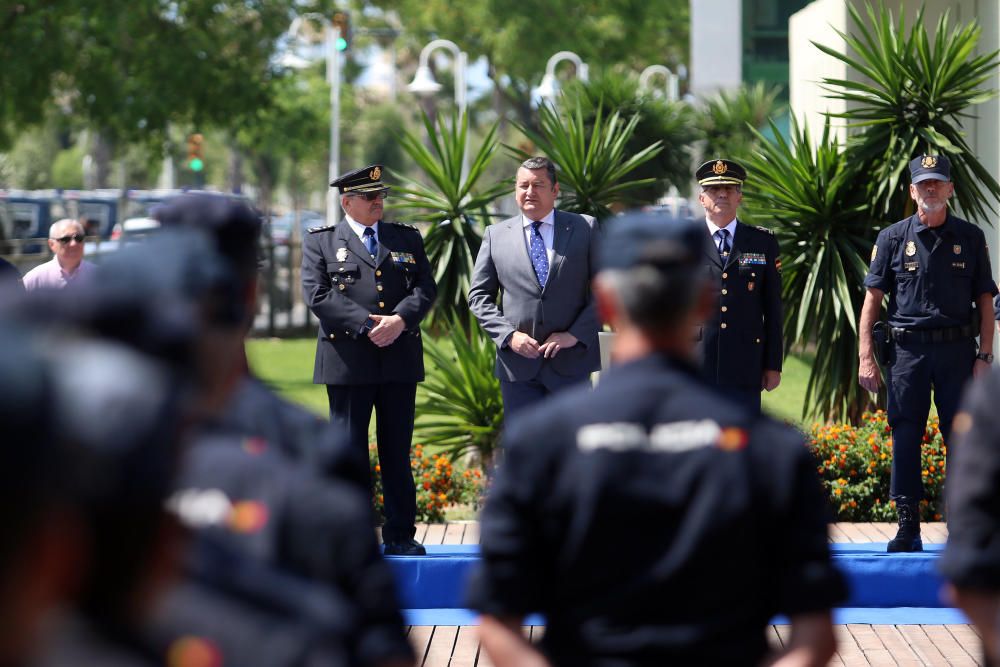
[945,335]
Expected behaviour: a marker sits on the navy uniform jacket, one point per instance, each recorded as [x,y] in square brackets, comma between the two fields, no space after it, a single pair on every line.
[342,285]
[256,412]
[698,477]
[284,516]
[742,338]
[932,276]
[972,557]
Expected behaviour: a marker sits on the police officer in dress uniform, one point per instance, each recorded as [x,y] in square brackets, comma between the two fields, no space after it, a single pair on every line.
[971,559]
[740,346]
[935,268]
[370,284]
[696,473]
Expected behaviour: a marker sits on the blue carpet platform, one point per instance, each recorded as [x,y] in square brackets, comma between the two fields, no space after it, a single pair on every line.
[897,589]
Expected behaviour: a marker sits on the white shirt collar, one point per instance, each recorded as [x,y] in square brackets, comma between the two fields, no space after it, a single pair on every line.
[358,228]
[731,227]
[549,219]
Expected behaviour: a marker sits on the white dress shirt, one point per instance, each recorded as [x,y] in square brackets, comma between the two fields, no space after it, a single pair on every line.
[731,228]
[546,230]
[359,229]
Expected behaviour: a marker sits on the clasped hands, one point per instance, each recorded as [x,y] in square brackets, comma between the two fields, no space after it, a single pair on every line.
[386,330]
[528,347]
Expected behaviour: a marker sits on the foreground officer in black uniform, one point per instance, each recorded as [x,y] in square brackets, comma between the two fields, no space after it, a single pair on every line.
[971,560]
[370,284]
[741,345]
[936,270]
[696,475]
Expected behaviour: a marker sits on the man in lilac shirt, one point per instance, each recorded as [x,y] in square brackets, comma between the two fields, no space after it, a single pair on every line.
[67,266]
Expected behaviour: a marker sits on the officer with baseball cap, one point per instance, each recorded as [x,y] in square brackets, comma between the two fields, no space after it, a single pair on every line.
[935,268]
[700,475]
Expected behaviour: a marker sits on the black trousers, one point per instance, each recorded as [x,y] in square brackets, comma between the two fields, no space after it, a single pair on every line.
[915,368]
[748,397]
[351,406]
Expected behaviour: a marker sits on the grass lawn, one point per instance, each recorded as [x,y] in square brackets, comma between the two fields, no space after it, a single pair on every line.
[287,366]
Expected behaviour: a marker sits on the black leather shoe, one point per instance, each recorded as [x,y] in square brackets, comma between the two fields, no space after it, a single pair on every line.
[907,538]
[409,547]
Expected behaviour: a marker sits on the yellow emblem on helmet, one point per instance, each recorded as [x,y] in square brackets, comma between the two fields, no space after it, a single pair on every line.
[929,162]
[375,174]
[719,168]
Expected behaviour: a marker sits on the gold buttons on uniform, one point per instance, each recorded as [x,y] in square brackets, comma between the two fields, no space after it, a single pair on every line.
[332,337]
[381,304]
[342,287]
[725,291]
[341,269]
[378,273]
[725,308]
[725,275]
[758,340]
[723,325]
[378,287]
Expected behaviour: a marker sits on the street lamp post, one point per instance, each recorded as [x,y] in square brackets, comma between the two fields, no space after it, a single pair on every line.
[424,84]
[331,34]
[548,90]
[672,88]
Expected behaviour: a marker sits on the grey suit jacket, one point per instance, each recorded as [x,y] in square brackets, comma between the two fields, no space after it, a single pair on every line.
[505,297]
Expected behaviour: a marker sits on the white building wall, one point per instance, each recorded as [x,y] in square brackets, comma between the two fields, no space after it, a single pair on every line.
[808,65]
[716,46]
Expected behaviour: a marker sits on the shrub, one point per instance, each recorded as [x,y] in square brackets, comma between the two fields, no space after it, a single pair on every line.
[440,484]
[855,464]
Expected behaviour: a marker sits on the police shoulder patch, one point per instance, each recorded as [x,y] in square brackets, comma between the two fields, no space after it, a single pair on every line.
[324,228]
[405,226]
[764,229]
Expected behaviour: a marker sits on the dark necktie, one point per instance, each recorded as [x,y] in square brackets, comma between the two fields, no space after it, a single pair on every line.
[723,240]
[539,258]
[370,242]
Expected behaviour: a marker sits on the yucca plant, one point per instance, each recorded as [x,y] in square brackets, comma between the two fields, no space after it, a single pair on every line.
[460,405]
[671,123]
[812,197]
[456,208]
[911,98]
[725,120]
[593,158]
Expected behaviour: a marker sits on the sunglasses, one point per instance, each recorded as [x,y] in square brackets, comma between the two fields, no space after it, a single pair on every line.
[66,239]
[372,196]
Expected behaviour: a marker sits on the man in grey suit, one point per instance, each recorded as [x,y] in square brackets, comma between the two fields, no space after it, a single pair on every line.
[545,323]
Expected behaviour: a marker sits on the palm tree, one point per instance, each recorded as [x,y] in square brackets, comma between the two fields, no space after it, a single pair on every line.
[813,199]
[455,207]
[593,158]
[727,120]
[910,99]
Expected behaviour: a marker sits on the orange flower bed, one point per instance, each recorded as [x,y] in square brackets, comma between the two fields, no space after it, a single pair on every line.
[440,483]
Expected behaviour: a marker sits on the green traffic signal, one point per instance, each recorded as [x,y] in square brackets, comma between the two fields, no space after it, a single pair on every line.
[341,44]
[196,164]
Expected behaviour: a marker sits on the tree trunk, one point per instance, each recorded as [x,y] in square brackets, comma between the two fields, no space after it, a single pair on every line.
[234,177]
[102,152]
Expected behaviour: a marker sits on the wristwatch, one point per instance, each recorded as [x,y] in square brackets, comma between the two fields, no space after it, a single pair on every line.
[985,356]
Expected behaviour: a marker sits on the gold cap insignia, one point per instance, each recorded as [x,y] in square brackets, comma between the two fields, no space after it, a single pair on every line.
[911,249]
[375,174]
[957,249]
[719,168]
[341,254]
[874,252]
[929,162]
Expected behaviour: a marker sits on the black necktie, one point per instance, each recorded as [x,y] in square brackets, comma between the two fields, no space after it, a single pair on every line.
[723,237]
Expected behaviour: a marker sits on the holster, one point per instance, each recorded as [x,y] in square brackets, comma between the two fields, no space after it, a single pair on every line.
[881,342]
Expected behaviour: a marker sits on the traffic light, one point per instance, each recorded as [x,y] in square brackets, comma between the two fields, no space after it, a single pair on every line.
[342,21]
[195,162]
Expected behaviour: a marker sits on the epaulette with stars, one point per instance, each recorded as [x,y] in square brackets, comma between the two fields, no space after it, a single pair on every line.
[324,228]
[764,229]
[404,225]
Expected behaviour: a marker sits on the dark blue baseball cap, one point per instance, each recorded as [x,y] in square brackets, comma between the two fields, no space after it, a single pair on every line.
[656,239]
[930,167]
